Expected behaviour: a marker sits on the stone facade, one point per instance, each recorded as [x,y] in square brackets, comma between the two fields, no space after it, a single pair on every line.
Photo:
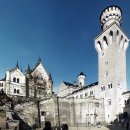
[111,46]
[35,83]
[73,112]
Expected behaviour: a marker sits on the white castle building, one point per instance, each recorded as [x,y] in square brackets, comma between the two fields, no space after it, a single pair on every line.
[78,104]
[34,83]
[111,88]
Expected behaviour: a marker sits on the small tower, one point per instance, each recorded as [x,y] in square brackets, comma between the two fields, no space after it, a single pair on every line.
[49,85]
[81,79]
[111,46]
[28,72]
[28,77]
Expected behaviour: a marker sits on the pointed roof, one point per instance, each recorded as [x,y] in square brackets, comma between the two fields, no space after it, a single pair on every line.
[38,62]
[3,79]
[81,74]
[17,65]
[28,71]
[50,77]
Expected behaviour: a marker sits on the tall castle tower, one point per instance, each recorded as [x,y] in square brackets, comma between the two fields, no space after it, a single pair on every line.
[111,46]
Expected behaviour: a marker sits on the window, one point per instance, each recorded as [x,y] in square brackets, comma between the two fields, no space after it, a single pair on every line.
[91,92]
[14,90]
[14,79]
[128,101]
[106,63]
[18,91]
[109,102]
[109,85]
[106,74]
[81,96]
[103,88]
[86,94]
[17,80]
[102,54]
[1,84]
[118,83]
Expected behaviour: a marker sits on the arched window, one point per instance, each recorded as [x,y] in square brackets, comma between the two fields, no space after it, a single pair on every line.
[105,40]
[14,90]
[109,85]
[128,101]
[14,79]
[109,102]
[111,37]
[17,80]
[18,91]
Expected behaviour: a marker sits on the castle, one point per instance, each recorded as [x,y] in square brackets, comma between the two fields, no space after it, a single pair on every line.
[111,88]
[78,103]
[35,83]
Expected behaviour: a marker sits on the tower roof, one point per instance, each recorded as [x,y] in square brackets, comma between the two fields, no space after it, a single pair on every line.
[81,73]
[109,15]
[28,71]
[50,77]
[17,65]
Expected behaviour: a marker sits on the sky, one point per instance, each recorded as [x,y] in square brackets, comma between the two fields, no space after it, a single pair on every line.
[60,32]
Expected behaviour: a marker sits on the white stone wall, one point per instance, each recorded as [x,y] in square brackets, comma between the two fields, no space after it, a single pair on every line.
[111,46]
[18,84]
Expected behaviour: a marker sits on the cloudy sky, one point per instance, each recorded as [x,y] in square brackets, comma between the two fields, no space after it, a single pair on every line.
[61,32]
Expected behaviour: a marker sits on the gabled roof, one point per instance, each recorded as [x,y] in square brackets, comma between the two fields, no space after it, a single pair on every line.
[38,63]
[3,79]
[88,86]
[67,84]
[70,84]
[16,67]
[126,92]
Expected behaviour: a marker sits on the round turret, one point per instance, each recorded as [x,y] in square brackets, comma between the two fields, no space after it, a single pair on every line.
[81,79]
[109,15]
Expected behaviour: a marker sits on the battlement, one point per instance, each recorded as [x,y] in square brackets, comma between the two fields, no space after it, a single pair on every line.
[109,15]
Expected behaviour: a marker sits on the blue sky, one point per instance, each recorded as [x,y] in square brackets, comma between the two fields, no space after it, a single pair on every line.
[61,32]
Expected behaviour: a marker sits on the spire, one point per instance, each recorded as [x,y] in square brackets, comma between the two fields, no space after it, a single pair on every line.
[81,73]
[17,65]
[50,78]
[39,61]
[28,71]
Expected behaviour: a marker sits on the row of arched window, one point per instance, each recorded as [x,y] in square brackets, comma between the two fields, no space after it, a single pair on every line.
[86,94]
[16,91]
[16,80]
[127,101]
[109,87]
[121,41]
